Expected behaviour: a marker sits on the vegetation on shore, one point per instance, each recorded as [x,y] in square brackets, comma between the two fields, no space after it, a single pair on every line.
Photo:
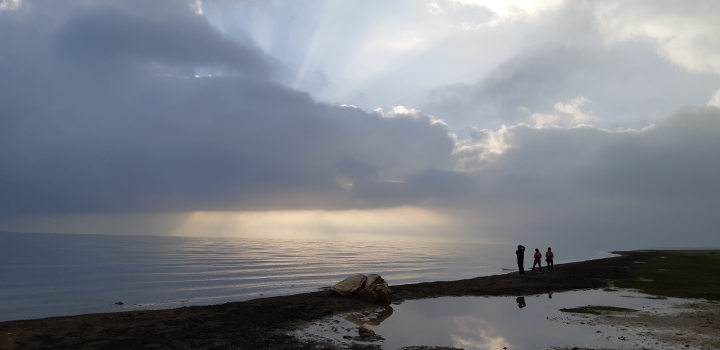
[596,309]
[674,273]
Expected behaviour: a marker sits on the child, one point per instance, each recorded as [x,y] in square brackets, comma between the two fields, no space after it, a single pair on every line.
[537,257]
[549,259]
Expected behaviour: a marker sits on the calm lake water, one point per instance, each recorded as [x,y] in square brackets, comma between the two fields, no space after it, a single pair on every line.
[44,275]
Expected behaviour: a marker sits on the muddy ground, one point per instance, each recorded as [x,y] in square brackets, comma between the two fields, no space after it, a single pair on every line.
[264,323]
[691,326]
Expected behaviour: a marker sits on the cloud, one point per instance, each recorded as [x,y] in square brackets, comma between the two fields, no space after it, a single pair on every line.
[596,186]
[672,161]
[623,94]
[565,114]
[715,100]
[108,113]
[369,55]
[684,32]
[400,53]
[9,5]
[138,111]
[182,40]
[482,148]
[508,11]
[434,9]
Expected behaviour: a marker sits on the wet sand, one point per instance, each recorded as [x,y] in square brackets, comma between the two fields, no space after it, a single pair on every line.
[692,326]
[264,323]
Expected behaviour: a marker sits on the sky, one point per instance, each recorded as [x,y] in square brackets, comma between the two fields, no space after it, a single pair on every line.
[588,122]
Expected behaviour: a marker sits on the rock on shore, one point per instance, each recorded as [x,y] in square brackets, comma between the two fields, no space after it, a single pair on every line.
[349,285]
[371,287]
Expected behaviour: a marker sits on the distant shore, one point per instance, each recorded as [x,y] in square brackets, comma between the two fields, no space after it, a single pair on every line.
[264,323]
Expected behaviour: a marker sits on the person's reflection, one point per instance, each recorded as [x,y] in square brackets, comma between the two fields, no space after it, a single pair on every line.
[521,302]
[549,295]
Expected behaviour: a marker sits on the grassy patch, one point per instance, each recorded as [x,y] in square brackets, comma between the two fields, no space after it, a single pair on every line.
[675,273]
[596,309]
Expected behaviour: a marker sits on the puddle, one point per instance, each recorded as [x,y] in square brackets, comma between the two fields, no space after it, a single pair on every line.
[514,323]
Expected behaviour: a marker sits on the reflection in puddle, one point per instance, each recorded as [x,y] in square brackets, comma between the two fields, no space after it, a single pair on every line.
[473,333]
[531,322]
[372,319]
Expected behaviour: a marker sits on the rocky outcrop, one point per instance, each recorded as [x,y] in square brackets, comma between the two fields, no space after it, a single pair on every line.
[349,285]
[376,290]
[371,287]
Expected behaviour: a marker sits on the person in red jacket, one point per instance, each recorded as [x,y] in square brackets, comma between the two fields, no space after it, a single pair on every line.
[549,259]
[538,257]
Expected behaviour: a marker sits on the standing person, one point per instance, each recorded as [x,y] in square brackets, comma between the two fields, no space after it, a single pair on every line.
[549,259]
[537,257]
[520,252]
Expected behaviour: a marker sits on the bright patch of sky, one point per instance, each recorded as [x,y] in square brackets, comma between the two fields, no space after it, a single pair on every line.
[410,52]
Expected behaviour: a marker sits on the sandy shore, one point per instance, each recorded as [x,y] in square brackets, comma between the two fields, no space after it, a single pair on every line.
[264,323]
[693,326]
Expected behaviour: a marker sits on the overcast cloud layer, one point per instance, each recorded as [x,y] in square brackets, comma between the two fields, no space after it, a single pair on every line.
[590,122]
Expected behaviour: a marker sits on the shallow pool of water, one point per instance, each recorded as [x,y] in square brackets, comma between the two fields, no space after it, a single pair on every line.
[514,323]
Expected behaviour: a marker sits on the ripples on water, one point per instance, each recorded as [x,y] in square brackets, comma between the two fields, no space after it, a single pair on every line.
[59,274]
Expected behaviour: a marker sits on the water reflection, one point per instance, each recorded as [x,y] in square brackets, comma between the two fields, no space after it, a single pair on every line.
[371,319]
[475,333]
[479,323]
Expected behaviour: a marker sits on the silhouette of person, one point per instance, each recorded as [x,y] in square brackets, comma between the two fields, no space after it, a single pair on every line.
[549,259]
[520,252]
[550,295]
[521,302]
[537,258]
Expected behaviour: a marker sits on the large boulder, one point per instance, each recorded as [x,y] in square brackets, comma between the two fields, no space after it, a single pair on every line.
[349,285]
[376,290]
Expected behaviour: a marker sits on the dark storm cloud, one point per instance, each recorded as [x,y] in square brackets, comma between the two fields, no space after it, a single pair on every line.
[102,112]
[184,39]
[677,160]
[593,186]
[672,160]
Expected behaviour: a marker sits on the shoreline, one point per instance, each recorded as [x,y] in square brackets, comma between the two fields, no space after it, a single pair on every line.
[264,322]
[65,306]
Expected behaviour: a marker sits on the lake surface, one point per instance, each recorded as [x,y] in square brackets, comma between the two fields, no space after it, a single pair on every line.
[44,275]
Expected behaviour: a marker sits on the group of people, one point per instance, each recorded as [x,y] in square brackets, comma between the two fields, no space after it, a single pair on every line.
[520,252]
